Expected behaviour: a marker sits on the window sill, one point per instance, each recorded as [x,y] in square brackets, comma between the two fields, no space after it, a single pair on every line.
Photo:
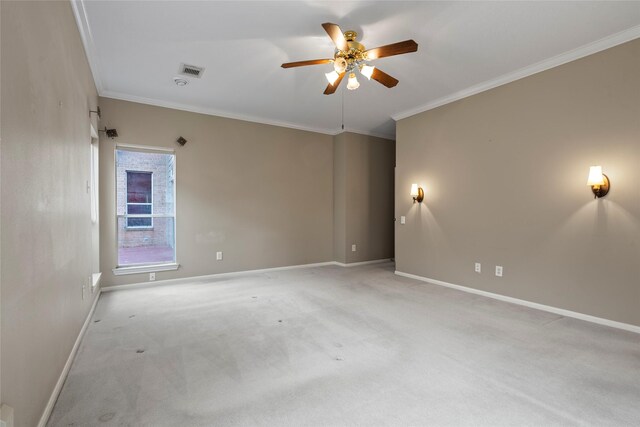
[95,281]
[152,268]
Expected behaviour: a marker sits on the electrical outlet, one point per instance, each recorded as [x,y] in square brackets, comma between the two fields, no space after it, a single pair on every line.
[353,248]
[478,267]
[152,277]
[219,256]
[499,270]
[403,220]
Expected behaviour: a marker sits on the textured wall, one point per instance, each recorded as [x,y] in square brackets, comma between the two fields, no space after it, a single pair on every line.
[505,175]
[47,92]
[261,194]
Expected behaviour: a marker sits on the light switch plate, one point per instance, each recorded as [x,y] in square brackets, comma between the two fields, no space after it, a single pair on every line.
[403,220]
[353,248]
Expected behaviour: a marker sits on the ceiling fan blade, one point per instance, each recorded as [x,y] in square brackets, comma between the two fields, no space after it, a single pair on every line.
[384,78]
[331,88]
[303,63]
[399,48]
[336,35]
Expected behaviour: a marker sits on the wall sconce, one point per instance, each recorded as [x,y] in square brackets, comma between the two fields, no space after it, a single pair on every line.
[417,193]
[111,133]
[598,181]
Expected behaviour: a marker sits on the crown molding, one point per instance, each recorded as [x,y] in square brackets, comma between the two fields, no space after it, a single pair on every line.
[213,112]
[243,117]
[82,21]
[367,133]
[572,55]
[563,58]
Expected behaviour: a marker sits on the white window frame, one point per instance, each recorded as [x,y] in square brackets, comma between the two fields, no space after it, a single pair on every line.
[126,208]
[146,268]
[93,179]
[94,196]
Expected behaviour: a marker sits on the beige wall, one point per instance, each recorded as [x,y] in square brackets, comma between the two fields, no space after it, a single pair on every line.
[363,197]
[261,194]
[266,196]
[340,197]
[47,91]
[505,175]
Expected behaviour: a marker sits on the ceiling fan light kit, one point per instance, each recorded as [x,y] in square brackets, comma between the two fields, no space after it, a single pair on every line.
[350,55]
[352,83]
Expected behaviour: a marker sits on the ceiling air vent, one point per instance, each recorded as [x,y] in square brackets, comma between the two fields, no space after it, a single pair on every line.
[191,70]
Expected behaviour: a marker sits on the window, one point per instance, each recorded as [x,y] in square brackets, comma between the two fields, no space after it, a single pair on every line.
[94,199]
[145,193]
[139,199]
[93,183]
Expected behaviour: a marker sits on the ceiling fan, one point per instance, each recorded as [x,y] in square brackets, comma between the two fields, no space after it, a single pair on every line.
[351,55]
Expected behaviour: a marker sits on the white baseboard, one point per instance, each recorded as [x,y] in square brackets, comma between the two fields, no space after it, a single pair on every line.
[65,371]
[233,274]
[355,264]
[95,281]
[210,277]
[550,309]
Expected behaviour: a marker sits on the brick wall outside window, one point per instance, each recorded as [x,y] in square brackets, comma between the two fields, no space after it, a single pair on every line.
[161,166]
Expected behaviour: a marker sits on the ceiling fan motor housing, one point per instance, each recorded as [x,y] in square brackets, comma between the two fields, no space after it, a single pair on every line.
[352,57]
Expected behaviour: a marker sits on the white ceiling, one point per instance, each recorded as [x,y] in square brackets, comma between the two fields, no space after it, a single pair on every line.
[135,50]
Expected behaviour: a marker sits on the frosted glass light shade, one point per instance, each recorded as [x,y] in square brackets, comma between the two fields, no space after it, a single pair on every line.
[595,176]
[340,65]
[414,190]
[367,71]
[332,77]
[353,83]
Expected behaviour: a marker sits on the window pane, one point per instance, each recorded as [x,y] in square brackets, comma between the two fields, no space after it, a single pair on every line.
[138,187]
[139,222]
[139,209]
[140,246]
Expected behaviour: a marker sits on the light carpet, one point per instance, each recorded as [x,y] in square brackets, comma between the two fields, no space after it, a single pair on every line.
[334,346]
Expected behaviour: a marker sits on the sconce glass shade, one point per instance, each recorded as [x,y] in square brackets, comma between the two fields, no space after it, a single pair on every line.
[598,181]
[332,77]
[340,65]
[353,83]
[595,176]
[417,193]
[367,71]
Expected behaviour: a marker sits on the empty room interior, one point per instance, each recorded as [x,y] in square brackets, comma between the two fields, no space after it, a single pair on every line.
[311,213]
